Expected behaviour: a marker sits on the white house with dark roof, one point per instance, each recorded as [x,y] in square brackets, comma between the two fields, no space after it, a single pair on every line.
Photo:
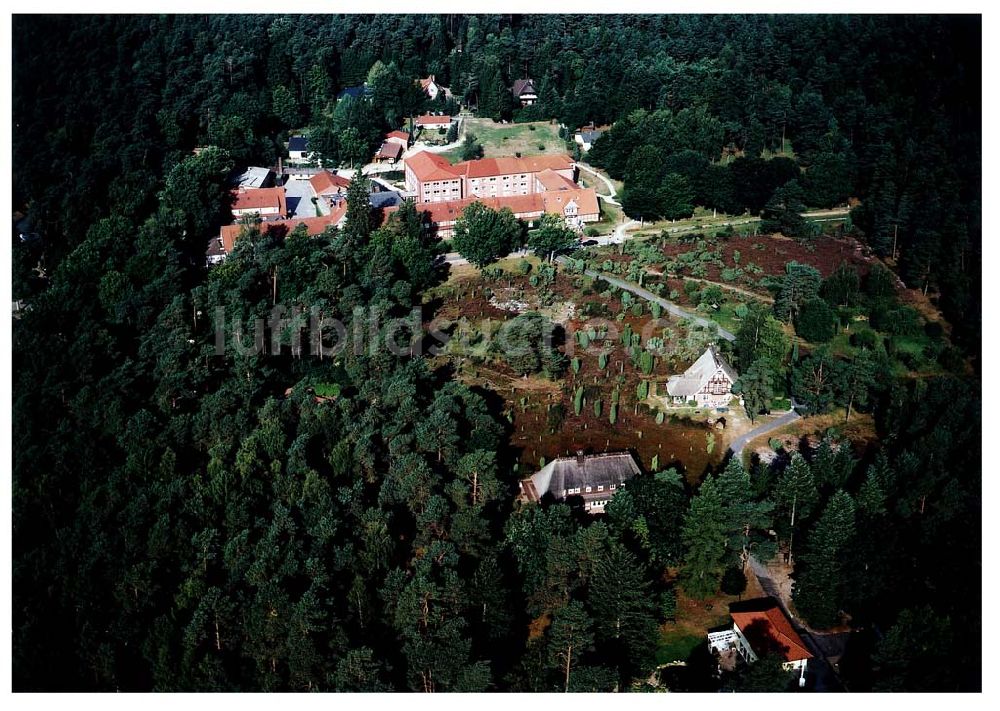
[524,91]
[587,137]
[593,477]
[298,148]
[709,382]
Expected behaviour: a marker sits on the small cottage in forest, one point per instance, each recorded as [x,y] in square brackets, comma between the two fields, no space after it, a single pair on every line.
[524,91]
[593,477]
[708,382]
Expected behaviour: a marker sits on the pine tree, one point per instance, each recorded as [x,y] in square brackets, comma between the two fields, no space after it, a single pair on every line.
[704,538]
[570,637]
[799,284]
[860,377]
[818,592]
[747,520]
[755,386]
[796,495]
[620,603]
[358,226]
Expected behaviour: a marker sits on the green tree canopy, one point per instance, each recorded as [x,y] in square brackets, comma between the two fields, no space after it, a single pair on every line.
[484,235]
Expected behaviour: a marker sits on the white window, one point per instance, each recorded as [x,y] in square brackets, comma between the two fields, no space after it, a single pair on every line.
[613,487]
[588,489]
[600,487]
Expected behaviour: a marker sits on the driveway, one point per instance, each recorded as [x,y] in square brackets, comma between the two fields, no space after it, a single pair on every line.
[820,673]
[611,197]
[618,236]
[786,419]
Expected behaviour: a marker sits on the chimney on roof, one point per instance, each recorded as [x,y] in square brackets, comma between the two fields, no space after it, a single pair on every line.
[579,457]
[432,77]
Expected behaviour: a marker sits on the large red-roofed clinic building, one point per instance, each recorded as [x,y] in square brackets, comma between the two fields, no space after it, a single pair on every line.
[528,186]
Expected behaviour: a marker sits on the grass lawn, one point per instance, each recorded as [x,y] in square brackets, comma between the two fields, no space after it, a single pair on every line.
[909,347]
[840,345]
[786,151]
[452,156]
[694,619]
[677,644]
[725,316]
[498,139]
[702,218]
[326,389]
[611,216]
[780,404]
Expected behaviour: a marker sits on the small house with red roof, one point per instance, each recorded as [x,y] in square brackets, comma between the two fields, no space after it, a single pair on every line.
[393,146]
[430,122]
[220,247]
[269,203]
[431,87]
[329,186]
[760,627]
[400,137]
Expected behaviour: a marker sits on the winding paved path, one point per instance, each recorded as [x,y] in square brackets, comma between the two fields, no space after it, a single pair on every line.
[618,236]
[669,306]
[610,198]
[786,419]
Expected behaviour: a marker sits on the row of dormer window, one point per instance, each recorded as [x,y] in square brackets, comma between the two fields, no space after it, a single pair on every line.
[588,489]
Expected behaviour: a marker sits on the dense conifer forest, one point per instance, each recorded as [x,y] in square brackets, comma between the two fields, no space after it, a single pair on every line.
[189,521]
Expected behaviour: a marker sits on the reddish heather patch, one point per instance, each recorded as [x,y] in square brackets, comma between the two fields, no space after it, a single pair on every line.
[529,399]
[772,252]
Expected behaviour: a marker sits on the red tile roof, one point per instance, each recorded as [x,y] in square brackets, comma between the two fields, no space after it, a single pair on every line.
[403,135]
[390,149]
[585,199]
[552,180]
[259,198]
[430,166]
[446,212]
[523,206]
[486,167]
[326,182]
[775,628]
[432,120]
[314,226]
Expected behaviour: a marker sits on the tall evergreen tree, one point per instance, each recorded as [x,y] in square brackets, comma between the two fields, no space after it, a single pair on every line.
[818,592]
[704,536]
